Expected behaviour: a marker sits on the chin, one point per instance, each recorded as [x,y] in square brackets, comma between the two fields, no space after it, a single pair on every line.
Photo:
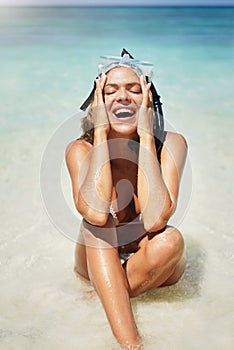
[124,129]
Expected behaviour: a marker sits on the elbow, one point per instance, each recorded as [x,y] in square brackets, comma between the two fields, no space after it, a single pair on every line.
[98,220]
[94,218]
[157,224]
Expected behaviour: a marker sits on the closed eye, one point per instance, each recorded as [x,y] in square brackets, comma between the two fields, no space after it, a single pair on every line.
[135,91]
[109,90]
[135,88]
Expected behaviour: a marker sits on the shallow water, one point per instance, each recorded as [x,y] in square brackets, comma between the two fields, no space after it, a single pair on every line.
[45,76]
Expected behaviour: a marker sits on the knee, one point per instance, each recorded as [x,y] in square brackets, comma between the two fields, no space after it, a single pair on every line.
[165,248]
[175,241]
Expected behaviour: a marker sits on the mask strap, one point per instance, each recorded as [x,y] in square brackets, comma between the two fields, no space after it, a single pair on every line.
[89,99]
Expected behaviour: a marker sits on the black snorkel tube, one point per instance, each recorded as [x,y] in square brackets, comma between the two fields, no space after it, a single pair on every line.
[89,99]
[159,125]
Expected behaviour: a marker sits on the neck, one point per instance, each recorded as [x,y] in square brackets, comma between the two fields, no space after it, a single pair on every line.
[121,151]
[116,135]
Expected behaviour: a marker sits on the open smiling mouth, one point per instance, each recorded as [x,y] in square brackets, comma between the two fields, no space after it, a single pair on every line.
[124,113]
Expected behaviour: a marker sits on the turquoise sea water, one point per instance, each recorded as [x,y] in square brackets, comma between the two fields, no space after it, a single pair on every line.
[49,56]
[48,60]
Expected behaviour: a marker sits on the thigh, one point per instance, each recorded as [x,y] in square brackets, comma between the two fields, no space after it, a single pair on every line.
[92,236]
[80,266]
[155,261]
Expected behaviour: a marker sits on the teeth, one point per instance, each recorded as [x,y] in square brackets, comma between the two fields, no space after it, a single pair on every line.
[123,113]
[123,110]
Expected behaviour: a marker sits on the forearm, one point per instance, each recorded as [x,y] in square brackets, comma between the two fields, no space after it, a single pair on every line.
[154,199]
[96,187]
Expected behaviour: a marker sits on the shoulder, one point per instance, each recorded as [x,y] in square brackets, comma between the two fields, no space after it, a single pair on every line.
[175,139]
[175,146]
[77,150]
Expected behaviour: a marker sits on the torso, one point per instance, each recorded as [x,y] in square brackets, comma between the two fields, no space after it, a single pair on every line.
[124,166]
[124,195]
[125,171]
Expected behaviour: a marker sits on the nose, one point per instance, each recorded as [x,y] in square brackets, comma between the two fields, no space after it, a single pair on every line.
[122,95]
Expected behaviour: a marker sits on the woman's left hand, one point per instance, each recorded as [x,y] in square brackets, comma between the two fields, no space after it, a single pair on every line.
[146,113]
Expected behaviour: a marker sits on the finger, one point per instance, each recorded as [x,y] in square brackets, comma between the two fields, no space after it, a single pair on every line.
[146,95]
[143,86]
[102,80]
[98,92]
[143,83]
[151,101]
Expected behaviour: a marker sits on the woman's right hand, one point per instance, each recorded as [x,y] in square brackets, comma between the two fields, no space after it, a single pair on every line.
[100,119]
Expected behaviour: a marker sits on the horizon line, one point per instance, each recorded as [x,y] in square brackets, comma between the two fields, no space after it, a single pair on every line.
[123,5]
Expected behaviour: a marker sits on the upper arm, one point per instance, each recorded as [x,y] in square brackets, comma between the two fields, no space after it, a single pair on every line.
[173,158]
[76,153]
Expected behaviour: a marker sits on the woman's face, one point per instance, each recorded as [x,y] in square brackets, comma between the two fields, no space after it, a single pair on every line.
[123,98]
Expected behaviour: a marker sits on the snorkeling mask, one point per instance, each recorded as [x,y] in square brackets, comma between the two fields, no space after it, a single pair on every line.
[139,67]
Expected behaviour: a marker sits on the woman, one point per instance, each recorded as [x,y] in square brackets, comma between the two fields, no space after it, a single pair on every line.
[125,185]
